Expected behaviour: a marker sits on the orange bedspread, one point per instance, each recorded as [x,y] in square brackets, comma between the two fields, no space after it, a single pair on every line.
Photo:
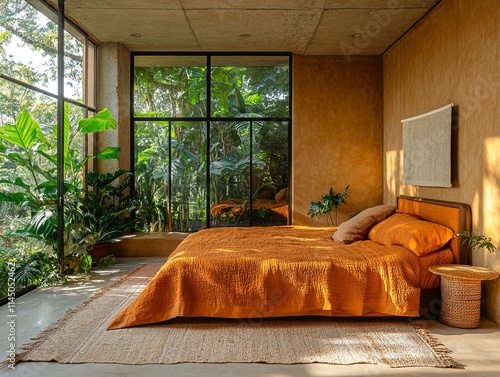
[277,271]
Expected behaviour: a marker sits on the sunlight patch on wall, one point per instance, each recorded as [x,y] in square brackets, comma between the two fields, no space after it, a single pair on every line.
[394,176]
[491,188]
[393,172]
[491,220]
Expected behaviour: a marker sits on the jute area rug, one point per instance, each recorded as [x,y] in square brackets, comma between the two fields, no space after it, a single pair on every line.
[81,337]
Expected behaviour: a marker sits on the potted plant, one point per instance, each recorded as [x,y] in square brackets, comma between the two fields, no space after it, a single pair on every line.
[107,210]
[329,202]
[477,240]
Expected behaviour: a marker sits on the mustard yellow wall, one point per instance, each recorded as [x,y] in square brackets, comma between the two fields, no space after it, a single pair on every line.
[452,56]
[337,132]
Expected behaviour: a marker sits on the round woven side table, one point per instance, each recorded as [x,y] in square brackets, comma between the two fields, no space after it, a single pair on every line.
[461,293]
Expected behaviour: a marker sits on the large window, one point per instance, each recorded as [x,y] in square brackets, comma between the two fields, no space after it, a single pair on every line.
[211,140]
[28,64]
[29,74]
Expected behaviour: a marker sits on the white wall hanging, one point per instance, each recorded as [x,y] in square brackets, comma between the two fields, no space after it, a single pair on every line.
[427,148]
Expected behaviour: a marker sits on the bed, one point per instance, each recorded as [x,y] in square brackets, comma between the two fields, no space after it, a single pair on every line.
[378,268]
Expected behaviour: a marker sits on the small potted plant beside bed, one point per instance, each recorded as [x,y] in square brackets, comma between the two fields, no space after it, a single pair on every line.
[329,202]
[479,241]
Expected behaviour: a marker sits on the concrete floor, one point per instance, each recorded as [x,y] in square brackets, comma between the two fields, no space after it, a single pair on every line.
[478,349]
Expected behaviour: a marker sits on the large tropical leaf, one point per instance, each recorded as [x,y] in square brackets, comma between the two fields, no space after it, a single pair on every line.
[48,188]
[17,182]
[45,172]
[17,158]
[23,133]
[43,225]
[109,153]
[101,121]
[145,155]
[27,273]
[102,179]
[240,101]
[218,167]
[190,155]
[49,156]
[16,197]
[161,174]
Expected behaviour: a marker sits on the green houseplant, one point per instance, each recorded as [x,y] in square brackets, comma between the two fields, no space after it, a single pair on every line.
[25,145]
[479,241]
[107,207]
[329,202]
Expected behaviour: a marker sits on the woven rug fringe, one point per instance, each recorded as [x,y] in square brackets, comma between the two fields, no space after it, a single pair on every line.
[437,347]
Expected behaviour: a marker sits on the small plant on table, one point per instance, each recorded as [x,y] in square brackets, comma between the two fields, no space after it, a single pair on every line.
[477,240]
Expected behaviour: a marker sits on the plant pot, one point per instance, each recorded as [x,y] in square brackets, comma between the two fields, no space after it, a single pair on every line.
[97,252]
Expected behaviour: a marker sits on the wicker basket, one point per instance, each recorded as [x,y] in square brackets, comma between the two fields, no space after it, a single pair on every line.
[461,293]
[461,303]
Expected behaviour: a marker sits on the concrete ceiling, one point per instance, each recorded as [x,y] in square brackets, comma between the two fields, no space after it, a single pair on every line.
[309,27]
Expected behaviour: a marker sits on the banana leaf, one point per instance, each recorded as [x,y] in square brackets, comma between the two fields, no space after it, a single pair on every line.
[101,121]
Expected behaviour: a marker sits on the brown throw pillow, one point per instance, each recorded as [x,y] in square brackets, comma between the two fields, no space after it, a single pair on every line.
[420,236]
[357,228]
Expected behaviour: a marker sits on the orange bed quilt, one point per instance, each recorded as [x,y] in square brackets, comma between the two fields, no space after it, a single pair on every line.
[277,271]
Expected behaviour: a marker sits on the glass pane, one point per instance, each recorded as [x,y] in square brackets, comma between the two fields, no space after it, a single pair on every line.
[230,173]
[250,86]
[28,45]
[18,159]
[14,98]
[73,66]
[270,173]
[152,175]
[78,142]
[170,86]
[188,175]
[189,203]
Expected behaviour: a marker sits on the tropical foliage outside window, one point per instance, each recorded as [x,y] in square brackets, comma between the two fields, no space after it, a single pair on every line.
[28,101]
[216,164]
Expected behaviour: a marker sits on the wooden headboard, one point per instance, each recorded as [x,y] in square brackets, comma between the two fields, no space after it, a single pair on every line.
[456,216]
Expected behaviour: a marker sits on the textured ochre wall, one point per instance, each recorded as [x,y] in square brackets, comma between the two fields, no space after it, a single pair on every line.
[337,132]
[452,56]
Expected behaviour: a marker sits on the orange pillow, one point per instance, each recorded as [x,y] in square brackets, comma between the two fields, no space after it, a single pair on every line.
[421,237]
